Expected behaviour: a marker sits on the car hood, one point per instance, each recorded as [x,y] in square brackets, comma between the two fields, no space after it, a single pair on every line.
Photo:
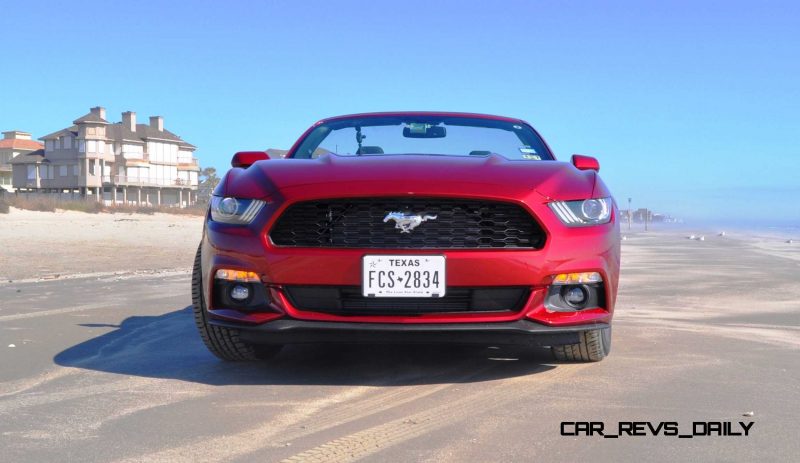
[412,172]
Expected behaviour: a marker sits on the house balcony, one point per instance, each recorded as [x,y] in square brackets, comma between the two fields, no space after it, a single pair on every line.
[192,164]
[123,180]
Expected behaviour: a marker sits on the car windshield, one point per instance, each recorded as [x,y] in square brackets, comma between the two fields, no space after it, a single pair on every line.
[442,136]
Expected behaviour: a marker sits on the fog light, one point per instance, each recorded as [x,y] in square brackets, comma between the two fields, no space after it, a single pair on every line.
[574,296]
[240,292]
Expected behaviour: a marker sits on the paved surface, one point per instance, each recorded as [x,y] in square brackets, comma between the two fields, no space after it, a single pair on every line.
[111,369]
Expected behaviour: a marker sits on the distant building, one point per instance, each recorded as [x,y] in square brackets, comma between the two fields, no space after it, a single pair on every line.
[13,144]
[652,217]
[118,162]
[275,153]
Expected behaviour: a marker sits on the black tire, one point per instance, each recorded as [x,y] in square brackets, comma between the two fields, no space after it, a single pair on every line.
[225,343]
[594,346]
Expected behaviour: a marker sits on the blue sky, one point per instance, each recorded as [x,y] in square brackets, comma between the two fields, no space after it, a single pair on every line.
[693,108]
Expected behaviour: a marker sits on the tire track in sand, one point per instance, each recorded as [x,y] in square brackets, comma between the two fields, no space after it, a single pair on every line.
[314,417]
[369,441]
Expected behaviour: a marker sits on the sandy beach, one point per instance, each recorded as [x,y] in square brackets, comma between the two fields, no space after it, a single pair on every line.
[703,331]
[668,278]
[68,243]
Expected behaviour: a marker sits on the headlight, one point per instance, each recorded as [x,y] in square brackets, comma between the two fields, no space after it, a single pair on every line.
[582,213]
[235,210]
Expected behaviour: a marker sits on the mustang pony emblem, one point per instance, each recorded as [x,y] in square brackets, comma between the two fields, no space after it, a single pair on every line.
[407,222]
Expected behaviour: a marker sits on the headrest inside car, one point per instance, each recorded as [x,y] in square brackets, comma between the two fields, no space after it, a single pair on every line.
[370,150]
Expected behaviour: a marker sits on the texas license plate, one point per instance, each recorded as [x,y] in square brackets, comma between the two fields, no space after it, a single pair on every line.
[403,276]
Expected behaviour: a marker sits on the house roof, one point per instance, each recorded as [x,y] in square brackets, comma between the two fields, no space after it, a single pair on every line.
[119,131]
[29,158]
[68,131]
[143,132]
[16,143]
[91,117]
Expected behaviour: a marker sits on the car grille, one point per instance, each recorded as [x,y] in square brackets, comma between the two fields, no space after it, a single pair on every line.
[348,300]
[359,223]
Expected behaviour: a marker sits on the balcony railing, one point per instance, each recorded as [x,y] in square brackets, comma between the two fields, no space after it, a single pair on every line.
[145,157]
[143,182]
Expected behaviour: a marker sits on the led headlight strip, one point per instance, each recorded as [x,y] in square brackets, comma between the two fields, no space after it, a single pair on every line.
[584,212]
[235,210]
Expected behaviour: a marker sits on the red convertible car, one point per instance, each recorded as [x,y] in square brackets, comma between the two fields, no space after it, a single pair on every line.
[407,227]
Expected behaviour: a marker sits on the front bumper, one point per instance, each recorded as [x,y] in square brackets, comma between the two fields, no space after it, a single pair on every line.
[519,332]
[583,249]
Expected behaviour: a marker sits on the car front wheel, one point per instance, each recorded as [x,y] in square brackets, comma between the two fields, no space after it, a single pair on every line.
[594,346]
[225,343]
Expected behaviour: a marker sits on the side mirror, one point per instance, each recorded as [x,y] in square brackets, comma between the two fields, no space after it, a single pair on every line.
[585,162]
[246,159]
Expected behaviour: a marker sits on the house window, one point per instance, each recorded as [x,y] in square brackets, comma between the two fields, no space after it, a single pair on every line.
[46,172]
[75,170]
[91,167]
[92,146]
[62,171]
[90,130]
[31,172]
[48,145]
[81,146]
[67,142]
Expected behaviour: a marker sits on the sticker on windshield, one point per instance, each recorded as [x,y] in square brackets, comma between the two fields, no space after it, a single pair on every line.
[529,153]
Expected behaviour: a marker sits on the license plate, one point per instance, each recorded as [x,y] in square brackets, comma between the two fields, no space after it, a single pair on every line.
[403,276]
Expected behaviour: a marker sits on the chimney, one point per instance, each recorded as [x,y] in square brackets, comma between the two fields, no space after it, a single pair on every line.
[99,110]
[157,122]
[129,120]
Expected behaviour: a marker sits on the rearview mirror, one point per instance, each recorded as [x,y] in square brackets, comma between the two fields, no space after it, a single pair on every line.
[585,162]
[415,130]
[246,159]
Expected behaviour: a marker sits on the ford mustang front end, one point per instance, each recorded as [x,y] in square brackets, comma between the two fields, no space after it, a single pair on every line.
[409,227]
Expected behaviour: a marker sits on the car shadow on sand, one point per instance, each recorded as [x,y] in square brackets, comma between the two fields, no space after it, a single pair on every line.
[168,346]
